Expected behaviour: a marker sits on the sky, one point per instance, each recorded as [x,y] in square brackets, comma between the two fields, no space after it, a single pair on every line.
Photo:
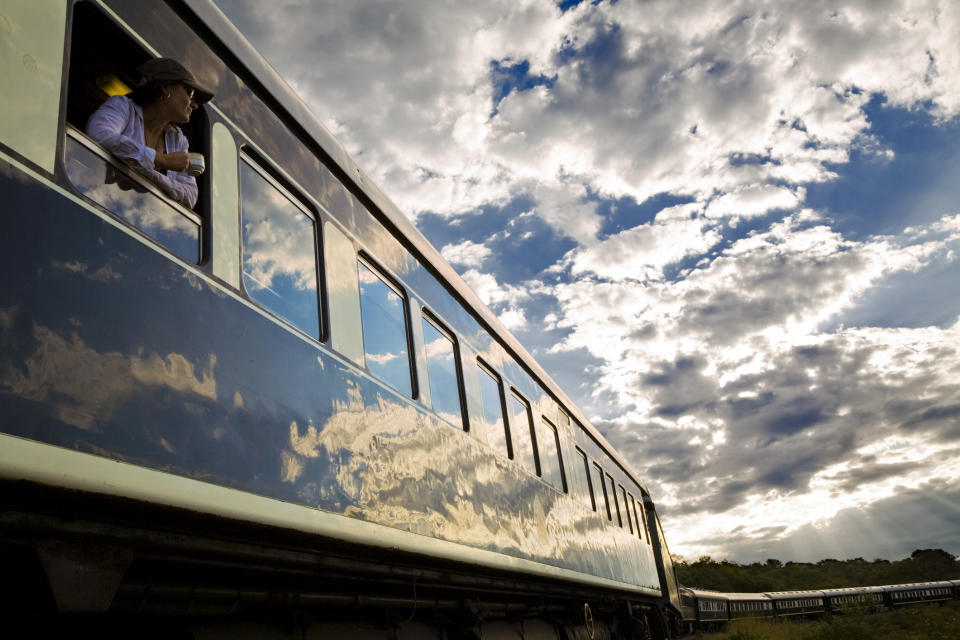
[728,230]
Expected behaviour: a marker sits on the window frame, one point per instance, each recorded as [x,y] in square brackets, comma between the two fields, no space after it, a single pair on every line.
[626,507]
[552,428]
[501,393]
[426,315]
[528,410]
[83,139]
[269,172]
[370,263]
[586,468]
[616,502]
[636,515]
[603,489]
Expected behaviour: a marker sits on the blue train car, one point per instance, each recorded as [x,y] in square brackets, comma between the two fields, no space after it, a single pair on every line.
[279,407]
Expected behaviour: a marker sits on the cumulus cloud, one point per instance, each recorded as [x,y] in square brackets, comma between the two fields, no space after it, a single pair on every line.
[466,253]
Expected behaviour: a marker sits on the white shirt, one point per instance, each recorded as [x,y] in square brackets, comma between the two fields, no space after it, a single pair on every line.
[118,126]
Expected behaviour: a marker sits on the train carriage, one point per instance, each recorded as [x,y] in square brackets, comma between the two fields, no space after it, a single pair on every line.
[788,604]
[749,605]
[710,609]
[852,598]
[900,595]
[282,401]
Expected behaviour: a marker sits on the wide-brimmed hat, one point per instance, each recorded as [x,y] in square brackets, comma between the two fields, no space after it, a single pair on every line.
[164,69]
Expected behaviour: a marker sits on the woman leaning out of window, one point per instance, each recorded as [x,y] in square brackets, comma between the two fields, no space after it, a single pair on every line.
[140,128]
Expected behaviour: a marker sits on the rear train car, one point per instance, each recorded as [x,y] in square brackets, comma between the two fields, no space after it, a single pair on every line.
[281,409]
[901,595]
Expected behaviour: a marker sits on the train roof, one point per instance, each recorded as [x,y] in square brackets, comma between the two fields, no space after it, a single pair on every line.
[706,594]
[790,595]
[746,596]
[917,585]
[271,81]
[851,591]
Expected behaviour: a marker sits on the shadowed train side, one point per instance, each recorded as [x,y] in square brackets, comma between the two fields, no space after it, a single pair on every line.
[281,410]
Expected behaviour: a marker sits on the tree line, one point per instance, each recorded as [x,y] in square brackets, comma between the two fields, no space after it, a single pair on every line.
[923,565]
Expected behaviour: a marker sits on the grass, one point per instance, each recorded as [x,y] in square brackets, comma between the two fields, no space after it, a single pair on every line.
[913,623]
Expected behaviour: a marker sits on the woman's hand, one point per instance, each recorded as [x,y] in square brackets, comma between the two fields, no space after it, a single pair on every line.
[176,161]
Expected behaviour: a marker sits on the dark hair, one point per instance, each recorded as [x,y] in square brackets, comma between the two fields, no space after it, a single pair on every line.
[150,92]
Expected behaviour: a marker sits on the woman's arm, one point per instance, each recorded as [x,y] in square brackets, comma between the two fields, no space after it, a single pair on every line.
[177,185]
[115,127]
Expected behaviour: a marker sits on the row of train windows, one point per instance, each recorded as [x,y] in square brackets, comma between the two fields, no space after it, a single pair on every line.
[292,294]
[857,598]
[803,603]
[713,605]
[920,592]
[616,501]
[750,606]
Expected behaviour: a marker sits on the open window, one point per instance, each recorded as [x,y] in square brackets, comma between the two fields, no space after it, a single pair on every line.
[103,62]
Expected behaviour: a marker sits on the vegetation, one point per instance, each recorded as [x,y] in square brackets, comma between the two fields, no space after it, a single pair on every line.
[913,623]
[923,565]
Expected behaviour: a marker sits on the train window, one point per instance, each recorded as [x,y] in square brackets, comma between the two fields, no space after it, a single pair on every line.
[442,372]
[626,507]
[616,502]
[103,63]
[491,397]
[279,250]
[103,179]
[636,516]
[602,488]
[646,524]
[385,343]
[522,432]
[587,481]
[551,463]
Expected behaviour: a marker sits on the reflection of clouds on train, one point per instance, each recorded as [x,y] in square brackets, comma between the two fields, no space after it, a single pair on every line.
[384,358]
[7,316]
[103,274]
[84,387]
[274,244]
[129,199]
[439,348]
[392,464]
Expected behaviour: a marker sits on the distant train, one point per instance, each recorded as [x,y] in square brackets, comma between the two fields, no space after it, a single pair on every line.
[704,610]
[279,413]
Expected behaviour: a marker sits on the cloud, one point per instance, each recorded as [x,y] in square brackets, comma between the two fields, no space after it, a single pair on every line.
[466,253]
[642,252]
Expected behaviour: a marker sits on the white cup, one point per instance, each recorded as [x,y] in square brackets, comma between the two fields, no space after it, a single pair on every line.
[197,164]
